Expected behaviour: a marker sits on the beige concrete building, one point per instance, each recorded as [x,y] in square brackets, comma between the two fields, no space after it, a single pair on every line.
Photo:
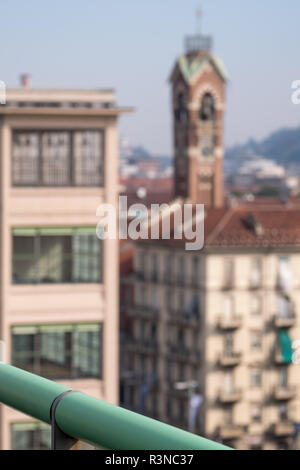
[59,283]
[224,323]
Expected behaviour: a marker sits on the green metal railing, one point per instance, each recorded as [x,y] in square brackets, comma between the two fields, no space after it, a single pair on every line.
[90,420]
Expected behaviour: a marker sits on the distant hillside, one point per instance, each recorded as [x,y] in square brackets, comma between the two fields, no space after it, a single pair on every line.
[283,146]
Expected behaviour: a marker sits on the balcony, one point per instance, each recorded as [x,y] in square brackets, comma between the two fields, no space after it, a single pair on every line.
[230,359]
[142,345]
[284,322]
[284,393]
[180,317]
[139,275]
[278,359]
[142,311]
[230,431]
[230,323]
[283,429]
[183,354]
[228,283]
[230,396]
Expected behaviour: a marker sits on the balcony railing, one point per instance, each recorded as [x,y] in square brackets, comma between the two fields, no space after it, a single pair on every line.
[183,354]
[230,323]
[230,396]
[278,357]
[84,418]
[284,322]
[180,317]
[142,345]
[230,359]
[142,311]
[230,431]
[283,429]
[284,393]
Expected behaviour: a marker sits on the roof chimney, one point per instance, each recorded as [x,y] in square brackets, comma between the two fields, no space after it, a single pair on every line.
[25,80]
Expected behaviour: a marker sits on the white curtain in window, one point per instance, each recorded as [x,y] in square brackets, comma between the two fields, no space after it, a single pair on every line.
[255,273]
[285,274]
[283,307]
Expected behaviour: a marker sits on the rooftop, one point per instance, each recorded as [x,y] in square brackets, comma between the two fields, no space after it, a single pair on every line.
[273,225]
[27,100]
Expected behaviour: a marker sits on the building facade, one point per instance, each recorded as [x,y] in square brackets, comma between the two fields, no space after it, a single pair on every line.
[213,335]
[59,282]
[222,324]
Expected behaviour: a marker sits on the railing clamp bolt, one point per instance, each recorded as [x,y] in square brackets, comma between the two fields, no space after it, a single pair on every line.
[60,440]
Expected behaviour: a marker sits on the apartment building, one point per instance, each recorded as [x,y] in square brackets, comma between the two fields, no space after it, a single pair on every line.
[213,335]
[59,282]
[222,324]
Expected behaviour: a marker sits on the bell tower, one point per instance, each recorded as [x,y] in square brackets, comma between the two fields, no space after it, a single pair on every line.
[198,83]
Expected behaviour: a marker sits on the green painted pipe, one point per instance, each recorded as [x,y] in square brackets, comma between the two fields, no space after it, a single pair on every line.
[92,420]
[29,393]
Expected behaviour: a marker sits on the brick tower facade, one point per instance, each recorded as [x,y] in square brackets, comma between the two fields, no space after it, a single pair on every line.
[198,99]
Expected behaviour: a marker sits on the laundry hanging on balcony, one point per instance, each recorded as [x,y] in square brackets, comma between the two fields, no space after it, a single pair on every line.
[196,401]
[144,390]
[286,348]
[192,308]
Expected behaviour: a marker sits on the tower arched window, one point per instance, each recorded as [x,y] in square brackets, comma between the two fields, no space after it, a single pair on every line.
[181,112]
[207,109]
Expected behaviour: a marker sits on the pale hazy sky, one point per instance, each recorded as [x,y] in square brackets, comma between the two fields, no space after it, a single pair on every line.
[131,45]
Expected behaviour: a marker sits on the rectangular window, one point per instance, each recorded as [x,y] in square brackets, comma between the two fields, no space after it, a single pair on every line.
[228,416]
[228,273]
[141,263]
[228,344]
[181,270]
[169,297]
[55,154]
[256,378]
[228,307]
[56,255]
[283,377]
[88,158]
[284,307]
[58,158]
[155,299]
[228,384]
[154,275]
[283,412]
[256,273]
[30,436]
[25,158]
[256,412]
[58,351]
[256,340]
[168,270]
[195,271]
[284,274]
[256,305]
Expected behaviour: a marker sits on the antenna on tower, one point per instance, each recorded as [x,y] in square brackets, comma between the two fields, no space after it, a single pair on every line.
[198,21]
[198,42]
